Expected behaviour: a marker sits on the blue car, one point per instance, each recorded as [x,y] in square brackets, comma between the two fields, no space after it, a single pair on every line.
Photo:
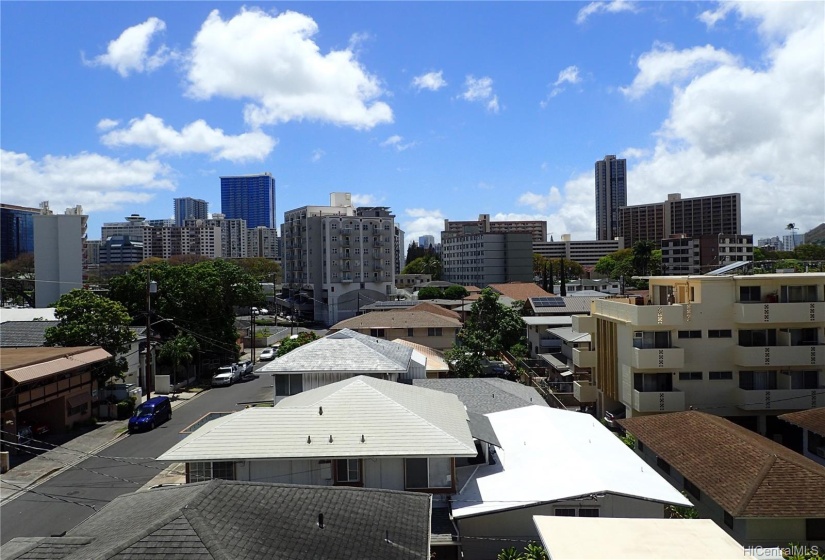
[150,414]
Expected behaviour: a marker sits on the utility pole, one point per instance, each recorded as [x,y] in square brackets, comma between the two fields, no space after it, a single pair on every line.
[151,288]
[253,340]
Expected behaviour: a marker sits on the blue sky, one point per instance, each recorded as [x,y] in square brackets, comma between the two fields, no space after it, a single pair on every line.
[438,110]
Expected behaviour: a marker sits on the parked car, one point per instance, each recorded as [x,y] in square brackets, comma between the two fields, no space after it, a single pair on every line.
[153,412]
[226,375]
[267,354]
[611,417]
[245,368]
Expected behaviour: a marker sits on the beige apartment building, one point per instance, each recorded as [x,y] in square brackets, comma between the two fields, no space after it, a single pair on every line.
[744,347]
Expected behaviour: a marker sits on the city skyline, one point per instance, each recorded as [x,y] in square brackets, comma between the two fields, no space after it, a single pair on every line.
[502,110]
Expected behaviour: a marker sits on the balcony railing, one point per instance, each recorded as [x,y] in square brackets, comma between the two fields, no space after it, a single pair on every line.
[584,358]
[585,392]
[658,358]
[346,279]
[807,312]
[658,401]
[756,356]
[778,399]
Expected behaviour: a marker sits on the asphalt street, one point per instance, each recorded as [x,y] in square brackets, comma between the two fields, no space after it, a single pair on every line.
[62,502]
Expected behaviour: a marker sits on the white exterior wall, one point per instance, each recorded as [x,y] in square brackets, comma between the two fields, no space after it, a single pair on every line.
[386,473]
[58,256]
[313,380]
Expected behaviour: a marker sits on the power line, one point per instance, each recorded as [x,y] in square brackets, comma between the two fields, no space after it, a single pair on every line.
[52,496]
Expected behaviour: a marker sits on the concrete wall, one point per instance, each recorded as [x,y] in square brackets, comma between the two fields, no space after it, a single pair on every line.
[58,256]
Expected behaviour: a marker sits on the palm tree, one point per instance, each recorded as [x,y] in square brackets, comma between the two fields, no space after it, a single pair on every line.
[642,255]
[178,351]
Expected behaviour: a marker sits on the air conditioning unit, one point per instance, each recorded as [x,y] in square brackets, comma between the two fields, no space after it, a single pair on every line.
[638,334]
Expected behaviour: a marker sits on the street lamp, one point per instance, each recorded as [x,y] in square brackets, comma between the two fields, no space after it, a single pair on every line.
[151,288]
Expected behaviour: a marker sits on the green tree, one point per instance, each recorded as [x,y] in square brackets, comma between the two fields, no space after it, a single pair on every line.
[455,292]
[291,344]
[464,362]
[809,252]
[429,263]
[87,319]
[177,352]
[430,292]
[17,283]
[533,551]
[263,270]
[642,257]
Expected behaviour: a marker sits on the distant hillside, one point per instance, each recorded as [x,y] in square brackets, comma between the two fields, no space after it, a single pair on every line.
[816,235]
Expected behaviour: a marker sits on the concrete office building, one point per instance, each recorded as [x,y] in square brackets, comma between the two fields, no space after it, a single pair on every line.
[697,255]
[262,242]
[644,222]
[59,253]
[744,347]
[190,209]
[202,240]
[93,252]
[479,259]
[339,257]
[250,198]
[586,253]
[536,228]
[426,241]
[611,194]
[120,250]
[16,231]
[135,228]
[234,234]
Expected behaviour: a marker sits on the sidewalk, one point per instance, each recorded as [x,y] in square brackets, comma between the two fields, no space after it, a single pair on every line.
[51,463]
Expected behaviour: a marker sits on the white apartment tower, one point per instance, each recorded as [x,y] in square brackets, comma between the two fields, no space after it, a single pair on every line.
[59,253]
[339,257]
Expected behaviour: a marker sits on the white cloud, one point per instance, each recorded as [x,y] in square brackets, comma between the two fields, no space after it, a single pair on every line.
[541,202]
[481,90]
[364,200]
[612,7]
[130,52]
[317,155]
[194,138]
[397,142]
[634,153]
[94,181]
[712,17]
[566,210]
[666,66]
[569,75]
[432,81]
[753,130]
[107,124]
[419,221]
[273,62]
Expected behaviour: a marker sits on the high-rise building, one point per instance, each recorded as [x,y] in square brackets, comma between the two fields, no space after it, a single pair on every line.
[16,231]
[250,198]
[426,241]
[643,222]
[198,239]
[536,228]
[479,259]
[263,242]
[586,253]
[120,250]
[190,209]
[338,258]
[611,194]
[59,253]
[234,235]
[697,255]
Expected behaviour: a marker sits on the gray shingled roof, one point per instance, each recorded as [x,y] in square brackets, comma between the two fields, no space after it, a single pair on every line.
[244,520]
[485,395]
[24,334]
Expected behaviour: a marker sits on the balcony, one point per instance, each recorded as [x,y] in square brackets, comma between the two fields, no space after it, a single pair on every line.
[584,391]
[584,323]
[584,358]
[807,312]
[760,356]
[658,401]
[658,358]
[778,399]
[346,279]
[640,315]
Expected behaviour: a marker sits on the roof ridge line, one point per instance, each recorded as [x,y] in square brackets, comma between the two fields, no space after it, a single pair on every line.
[757,483]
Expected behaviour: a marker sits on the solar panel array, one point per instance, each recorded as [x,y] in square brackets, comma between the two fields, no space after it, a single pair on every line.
[556,301]
[728,268]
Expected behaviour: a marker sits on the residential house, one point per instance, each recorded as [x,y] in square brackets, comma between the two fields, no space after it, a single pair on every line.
[760,492]
[24,334]
[812,425]
[342,355]
[485,395]
[551,462]
[519,291]
[225,519]
[423,327]
[539,340]
[636,539]
[437,367]
[47,387]
[749,347]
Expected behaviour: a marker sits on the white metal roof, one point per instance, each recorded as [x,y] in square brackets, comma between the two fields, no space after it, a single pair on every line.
[636,539]
[365,417]
[549,455]
[567,334]
[550,321]
[27,314]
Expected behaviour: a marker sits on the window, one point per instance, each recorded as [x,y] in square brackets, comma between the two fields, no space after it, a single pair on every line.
[790,294]
[433,472]
[723,333]
[377,333]
[663,465]
[690,376]
[434,331]
[653,382]
[728,520]
[761,337]
[757,380]
[690,334]
[288,384]
[199,472]
[691,489]
[651,339]
[564,512]
[750,294]
[347,471]
[588,512]
[720,375]
[804,379]
[410,332]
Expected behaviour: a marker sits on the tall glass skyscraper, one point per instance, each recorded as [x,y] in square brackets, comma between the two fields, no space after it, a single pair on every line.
[611,194]
[250,198]
[190,208]
[16,231]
